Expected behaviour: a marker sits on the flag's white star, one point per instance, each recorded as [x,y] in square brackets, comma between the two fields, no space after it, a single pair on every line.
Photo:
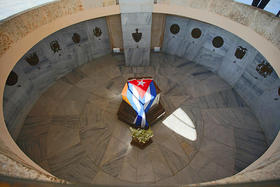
[141,83]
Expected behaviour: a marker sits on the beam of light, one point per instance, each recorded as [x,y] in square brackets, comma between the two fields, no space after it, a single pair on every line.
[180,123]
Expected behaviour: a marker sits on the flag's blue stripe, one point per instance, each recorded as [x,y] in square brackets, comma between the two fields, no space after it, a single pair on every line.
[153,94]
[130,97]
[138,121]
[142,111]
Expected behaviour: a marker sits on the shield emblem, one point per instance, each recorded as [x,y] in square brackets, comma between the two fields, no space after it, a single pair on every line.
[12,79]
[76,38]
[264,69]
[137,36]
[55,46]
[240,52]
[32,59]
[97,31]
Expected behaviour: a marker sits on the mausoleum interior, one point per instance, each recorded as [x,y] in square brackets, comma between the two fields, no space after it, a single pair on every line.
[70,69]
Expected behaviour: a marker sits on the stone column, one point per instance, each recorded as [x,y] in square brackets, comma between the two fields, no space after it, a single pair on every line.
[136,18]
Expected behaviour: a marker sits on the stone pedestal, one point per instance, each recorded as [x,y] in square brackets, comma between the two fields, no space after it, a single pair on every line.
[136,20]
[128,115]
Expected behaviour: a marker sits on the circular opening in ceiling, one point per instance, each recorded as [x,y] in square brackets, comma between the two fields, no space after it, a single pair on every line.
[196,33]
[12,79]
[218,42]
[175,28]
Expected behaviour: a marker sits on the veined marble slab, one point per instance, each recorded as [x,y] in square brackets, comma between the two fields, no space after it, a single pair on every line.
[136,17]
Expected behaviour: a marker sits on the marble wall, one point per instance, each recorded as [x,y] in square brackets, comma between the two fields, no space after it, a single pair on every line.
[49,60]
[247,72]
[136,19]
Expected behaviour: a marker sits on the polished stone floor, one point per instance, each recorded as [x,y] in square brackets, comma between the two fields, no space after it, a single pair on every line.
[73,131]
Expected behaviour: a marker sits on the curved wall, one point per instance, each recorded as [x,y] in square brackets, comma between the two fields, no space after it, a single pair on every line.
[21,33]
[236,61]
[47,61]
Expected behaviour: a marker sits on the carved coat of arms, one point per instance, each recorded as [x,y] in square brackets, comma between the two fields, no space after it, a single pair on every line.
[97,32]
[32,59]
[264,69]
[12,79]
[76,38]
[137,36]
[55,46]
[240,52]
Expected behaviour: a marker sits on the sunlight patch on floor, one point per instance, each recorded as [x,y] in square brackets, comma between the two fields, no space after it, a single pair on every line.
[181,123]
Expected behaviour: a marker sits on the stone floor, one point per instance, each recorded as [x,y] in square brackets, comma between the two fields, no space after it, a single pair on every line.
[73,131]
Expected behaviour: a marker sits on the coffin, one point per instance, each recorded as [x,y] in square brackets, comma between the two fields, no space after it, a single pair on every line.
[128,114]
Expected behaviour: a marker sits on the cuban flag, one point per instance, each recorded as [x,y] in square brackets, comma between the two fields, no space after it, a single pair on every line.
[140,95]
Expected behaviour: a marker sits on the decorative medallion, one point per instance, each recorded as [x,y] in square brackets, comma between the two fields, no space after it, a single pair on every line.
[240,52]
[76,38]
[32,59]
[137,36]
[12,79]
[196,33]
[97,32]
[174,29]
[264,69]
[55,46]
[218,42]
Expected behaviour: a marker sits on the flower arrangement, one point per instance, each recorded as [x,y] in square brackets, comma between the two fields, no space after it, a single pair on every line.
[141,135]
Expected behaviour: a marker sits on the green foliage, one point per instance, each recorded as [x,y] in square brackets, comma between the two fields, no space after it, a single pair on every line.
[141,135]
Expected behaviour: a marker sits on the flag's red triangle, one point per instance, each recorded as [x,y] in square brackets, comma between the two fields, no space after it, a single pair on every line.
[141,85]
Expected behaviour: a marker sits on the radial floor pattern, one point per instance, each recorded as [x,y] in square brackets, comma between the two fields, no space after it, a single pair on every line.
[73,131]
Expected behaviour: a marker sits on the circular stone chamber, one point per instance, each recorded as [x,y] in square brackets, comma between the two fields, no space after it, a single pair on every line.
[62,97]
